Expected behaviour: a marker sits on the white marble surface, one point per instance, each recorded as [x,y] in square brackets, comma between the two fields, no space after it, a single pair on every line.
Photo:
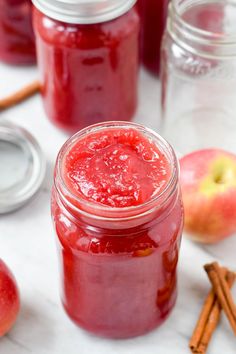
[27,246]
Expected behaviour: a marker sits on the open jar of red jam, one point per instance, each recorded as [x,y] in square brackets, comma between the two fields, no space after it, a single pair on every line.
[117,212]
[88,58]
[17,45]
[153,19]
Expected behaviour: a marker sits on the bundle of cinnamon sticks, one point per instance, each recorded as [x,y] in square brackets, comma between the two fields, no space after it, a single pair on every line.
[219,298]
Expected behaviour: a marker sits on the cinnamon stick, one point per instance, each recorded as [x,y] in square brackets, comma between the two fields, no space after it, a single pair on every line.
[195,341]
[20,95]
[222,291]
[208,319]
[214,316]
[211,325]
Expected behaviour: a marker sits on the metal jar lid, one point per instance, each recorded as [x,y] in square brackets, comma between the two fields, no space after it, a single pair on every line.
[22,167]
[84,11]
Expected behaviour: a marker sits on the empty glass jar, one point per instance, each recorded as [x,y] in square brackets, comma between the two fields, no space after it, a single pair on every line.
[199,75]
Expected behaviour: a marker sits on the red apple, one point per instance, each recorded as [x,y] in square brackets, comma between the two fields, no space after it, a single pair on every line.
[9,299]
[208,180]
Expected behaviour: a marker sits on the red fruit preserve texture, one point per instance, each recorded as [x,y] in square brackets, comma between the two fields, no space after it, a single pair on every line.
[116,169]
[89,72]
[17,44]
[117,281]
[153,15]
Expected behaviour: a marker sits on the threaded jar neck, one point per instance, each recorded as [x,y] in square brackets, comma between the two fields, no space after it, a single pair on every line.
[84,11]
[204,27]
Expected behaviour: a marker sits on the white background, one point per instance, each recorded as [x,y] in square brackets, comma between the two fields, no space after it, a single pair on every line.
[27,246]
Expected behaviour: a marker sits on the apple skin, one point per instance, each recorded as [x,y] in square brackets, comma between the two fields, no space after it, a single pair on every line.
[208,182]
[9,299]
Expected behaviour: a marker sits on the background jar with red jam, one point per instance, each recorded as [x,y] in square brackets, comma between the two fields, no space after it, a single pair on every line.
[17,44]
[88,58]
[118,265]
[153,19]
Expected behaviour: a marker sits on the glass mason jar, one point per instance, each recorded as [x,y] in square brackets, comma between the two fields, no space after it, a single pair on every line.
[17,45]
[199,75]
[88,59]
[118,265]
[153,19]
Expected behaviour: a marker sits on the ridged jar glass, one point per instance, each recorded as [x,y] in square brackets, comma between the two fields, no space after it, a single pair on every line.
[199,75]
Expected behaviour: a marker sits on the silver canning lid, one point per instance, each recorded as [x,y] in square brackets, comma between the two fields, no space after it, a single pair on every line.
[22,167]
[84,11]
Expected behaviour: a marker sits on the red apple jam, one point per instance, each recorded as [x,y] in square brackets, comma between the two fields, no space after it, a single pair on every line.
[117,211]
[17,44]
[153,19]
[89,71]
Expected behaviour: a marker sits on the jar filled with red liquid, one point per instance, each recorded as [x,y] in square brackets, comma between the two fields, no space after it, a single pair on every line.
[117,212]
[17,44]
[153,19]
[88,58]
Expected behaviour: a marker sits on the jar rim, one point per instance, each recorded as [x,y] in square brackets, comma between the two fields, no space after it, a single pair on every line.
[195,34]
[83,11]
[101,211]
